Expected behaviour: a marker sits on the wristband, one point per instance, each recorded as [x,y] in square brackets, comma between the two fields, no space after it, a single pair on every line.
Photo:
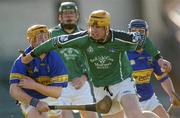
[34,102]
[158,56]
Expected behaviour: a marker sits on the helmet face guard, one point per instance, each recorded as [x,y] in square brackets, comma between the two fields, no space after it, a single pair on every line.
[140,26]
[69,8]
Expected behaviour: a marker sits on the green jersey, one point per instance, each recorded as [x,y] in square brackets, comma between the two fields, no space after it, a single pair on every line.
[72,57]
[108,61]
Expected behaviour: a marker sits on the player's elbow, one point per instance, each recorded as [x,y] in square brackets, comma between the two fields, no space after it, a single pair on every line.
[57,96]
[58,92]
[12,90]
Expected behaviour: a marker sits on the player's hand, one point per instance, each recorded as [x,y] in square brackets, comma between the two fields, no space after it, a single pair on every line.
[26,58]
[42,106]
[79,81]
[165,65]
[27,83]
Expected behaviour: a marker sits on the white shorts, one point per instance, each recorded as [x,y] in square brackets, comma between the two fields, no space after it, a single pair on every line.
[72,96]
[150,104]
[120,89]
[51,101]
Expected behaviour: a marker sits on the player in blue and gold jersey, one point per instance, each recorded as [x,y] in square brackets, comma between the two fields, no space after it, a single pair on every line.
[39,83]
[144,66]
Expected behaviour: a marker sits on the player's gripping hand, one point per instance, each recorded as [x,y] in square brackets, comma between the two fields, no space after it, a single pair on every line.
[26,59]
[165,65]
[42,107]
[27,83]
[139,38]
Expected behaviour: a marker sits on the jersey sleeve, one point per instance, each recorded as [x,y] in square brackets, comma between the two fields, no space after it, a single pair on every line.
[126,41]
[59,75]
[18,71]
[73,40]
[160,76]
[150,48]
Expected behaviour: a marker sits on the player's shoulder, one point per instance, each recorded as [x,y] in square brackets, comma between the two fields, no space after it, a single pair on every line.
[17,62]
[79,34]
[54,29]
[119,33]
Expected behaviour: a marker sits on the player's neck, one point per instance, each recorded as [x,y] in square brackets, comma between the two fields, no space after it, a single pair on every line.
[140,50]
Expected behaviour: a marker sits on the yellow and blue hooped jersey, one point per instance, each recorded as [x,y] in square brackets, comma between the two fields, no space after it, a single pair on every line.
[144,66]
[50,71]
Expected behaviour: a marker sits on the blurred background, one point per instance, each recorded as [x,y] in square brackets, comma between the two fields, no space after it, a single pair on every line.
[163,17]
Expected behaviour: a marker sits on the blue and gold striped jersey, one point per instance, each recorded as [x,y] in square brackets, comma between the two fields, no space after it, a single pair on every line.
[50,71]
[144,66]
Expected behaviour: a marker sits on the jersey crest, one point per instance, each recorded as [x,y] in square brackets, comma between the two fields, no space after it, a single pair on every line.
[90,49]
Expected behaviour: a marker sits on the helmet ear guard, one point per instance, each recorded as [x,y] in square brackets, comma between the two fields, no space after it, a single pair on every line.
[35,29]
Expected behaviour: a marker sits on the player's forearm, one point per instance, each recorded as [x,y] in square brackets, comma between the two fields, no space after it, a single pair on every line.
[51,91]
[45,47]
[18,94]
[36,52]
[168,86]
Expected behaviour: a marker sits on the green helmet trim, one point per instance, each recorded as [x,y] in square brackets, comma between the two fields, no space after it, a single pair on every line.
[68,6]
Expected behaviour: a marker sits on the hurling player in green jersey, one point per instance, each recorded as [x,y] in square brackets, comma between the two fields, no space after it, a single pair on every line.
[78,90]
[105,49]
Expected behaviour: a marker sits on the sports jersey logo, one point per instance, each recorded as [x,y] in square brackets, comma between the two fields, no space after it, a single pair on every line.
[132,62]
[142,76]
[69,53]
[113,50]
[141,58]
[90,49]
[102,62]
[63,38]
[36,69]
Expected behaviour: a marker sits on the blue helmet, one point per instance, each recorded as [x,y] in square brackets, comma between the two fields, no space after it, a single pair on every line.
[138,23]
